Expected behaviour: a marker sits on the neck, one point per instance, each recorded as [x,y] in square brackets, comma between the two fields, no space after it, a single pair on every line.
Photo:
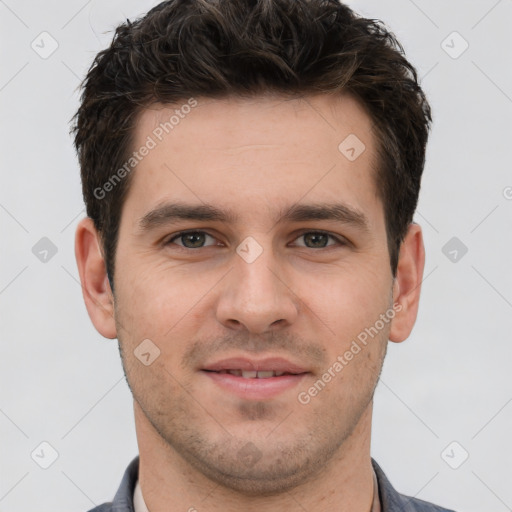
[345,484]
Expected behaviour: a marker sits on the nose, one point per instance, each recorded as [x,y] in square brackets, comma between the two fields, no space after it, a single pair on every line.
[256,296]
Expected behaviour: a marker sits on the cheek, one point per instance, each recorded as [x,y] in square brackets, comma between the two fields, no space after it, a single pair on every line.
[347,300]
[154,386]
[152,299]
[166,307]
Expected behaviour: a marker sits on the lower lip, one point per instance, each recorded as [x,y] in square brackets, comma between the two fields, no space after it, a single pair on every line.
[255,389]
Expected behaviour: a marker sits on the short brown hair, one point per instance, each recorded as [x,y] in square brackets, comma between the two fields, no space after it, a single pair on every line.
[221,48]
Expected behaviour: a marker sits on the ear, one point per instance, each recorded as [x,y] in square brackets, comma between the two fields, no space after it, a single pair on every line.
[96,290]
[407,283]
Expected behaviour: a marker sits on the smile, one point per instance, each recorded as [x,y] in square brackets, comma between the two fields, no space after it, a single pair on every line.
[252,379]
[253,374]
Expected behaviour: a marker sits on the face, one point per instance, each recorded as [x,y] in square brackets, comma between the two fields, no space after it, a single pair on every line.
[252,254]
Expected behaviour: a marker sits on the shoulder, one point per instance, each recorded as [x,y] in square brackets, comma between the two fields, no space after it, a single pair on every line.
[123,500]
[392,501]
[414,504]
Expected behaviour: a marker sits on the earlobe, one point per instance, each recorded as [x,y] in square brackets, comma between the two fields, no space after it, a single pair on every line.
[93,277]
[407,285]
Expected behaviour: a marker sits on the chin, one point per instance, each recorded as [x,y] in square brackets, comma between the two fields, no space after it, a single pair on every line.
[243,468]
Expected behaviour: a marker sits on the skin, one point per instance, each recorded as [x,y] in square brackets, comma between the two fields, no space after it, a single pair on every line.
[302,299]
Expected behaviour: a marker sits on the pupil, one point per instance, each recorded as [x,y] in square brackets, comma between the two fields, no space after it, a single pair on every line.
[195,239]
[315,238]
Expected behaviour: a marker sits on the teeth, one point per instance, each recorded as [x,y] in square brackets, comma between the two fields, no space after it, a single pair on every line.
[253,374]
[265,374]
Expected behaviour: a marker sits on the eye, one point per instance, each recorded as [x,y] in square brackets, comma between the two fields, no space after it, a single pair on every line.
[191,239]
[199,239]
[318,239]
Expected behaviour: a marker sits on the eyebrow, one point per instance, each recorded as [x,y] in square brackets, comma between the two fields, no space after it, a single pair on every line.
[171,212]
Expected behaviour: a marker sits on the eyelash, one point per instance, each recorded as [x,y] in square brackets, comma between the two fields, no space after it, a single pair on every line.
[339,241]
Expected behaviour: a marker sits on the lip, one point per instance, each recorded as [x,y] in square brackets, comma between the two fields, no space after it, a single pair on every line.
[255,388]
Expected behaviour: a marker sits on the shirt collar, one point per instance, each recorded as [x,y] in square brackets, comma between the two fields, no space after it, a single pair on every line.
[138,501]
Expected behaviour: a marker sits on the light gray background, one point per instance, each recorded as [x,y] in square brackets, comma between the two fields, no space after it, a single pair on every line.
[62,383]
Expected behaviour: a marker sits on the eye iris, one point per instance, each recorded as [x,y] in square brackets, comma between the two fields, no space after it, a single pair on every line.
[195,239]
[317,239]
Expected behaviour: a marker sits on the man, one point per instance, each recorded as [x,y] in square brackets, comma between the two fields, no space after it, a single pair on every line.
[250,170]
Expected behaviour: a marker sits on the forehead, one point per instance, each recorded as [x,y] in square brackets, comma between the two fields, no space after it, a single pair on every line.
[256,155]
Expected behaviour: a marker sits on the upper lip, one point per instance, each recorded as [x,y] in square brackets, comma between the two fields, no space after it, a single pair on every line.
[276,364]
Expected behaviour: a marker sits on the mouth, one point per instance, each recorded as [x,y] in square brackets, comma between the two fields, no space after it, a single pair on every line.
[253,374]
[253,379]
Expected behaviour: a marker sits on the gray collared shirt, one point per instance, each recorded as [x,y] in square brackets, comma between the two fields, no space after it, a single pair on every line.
[390,500]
